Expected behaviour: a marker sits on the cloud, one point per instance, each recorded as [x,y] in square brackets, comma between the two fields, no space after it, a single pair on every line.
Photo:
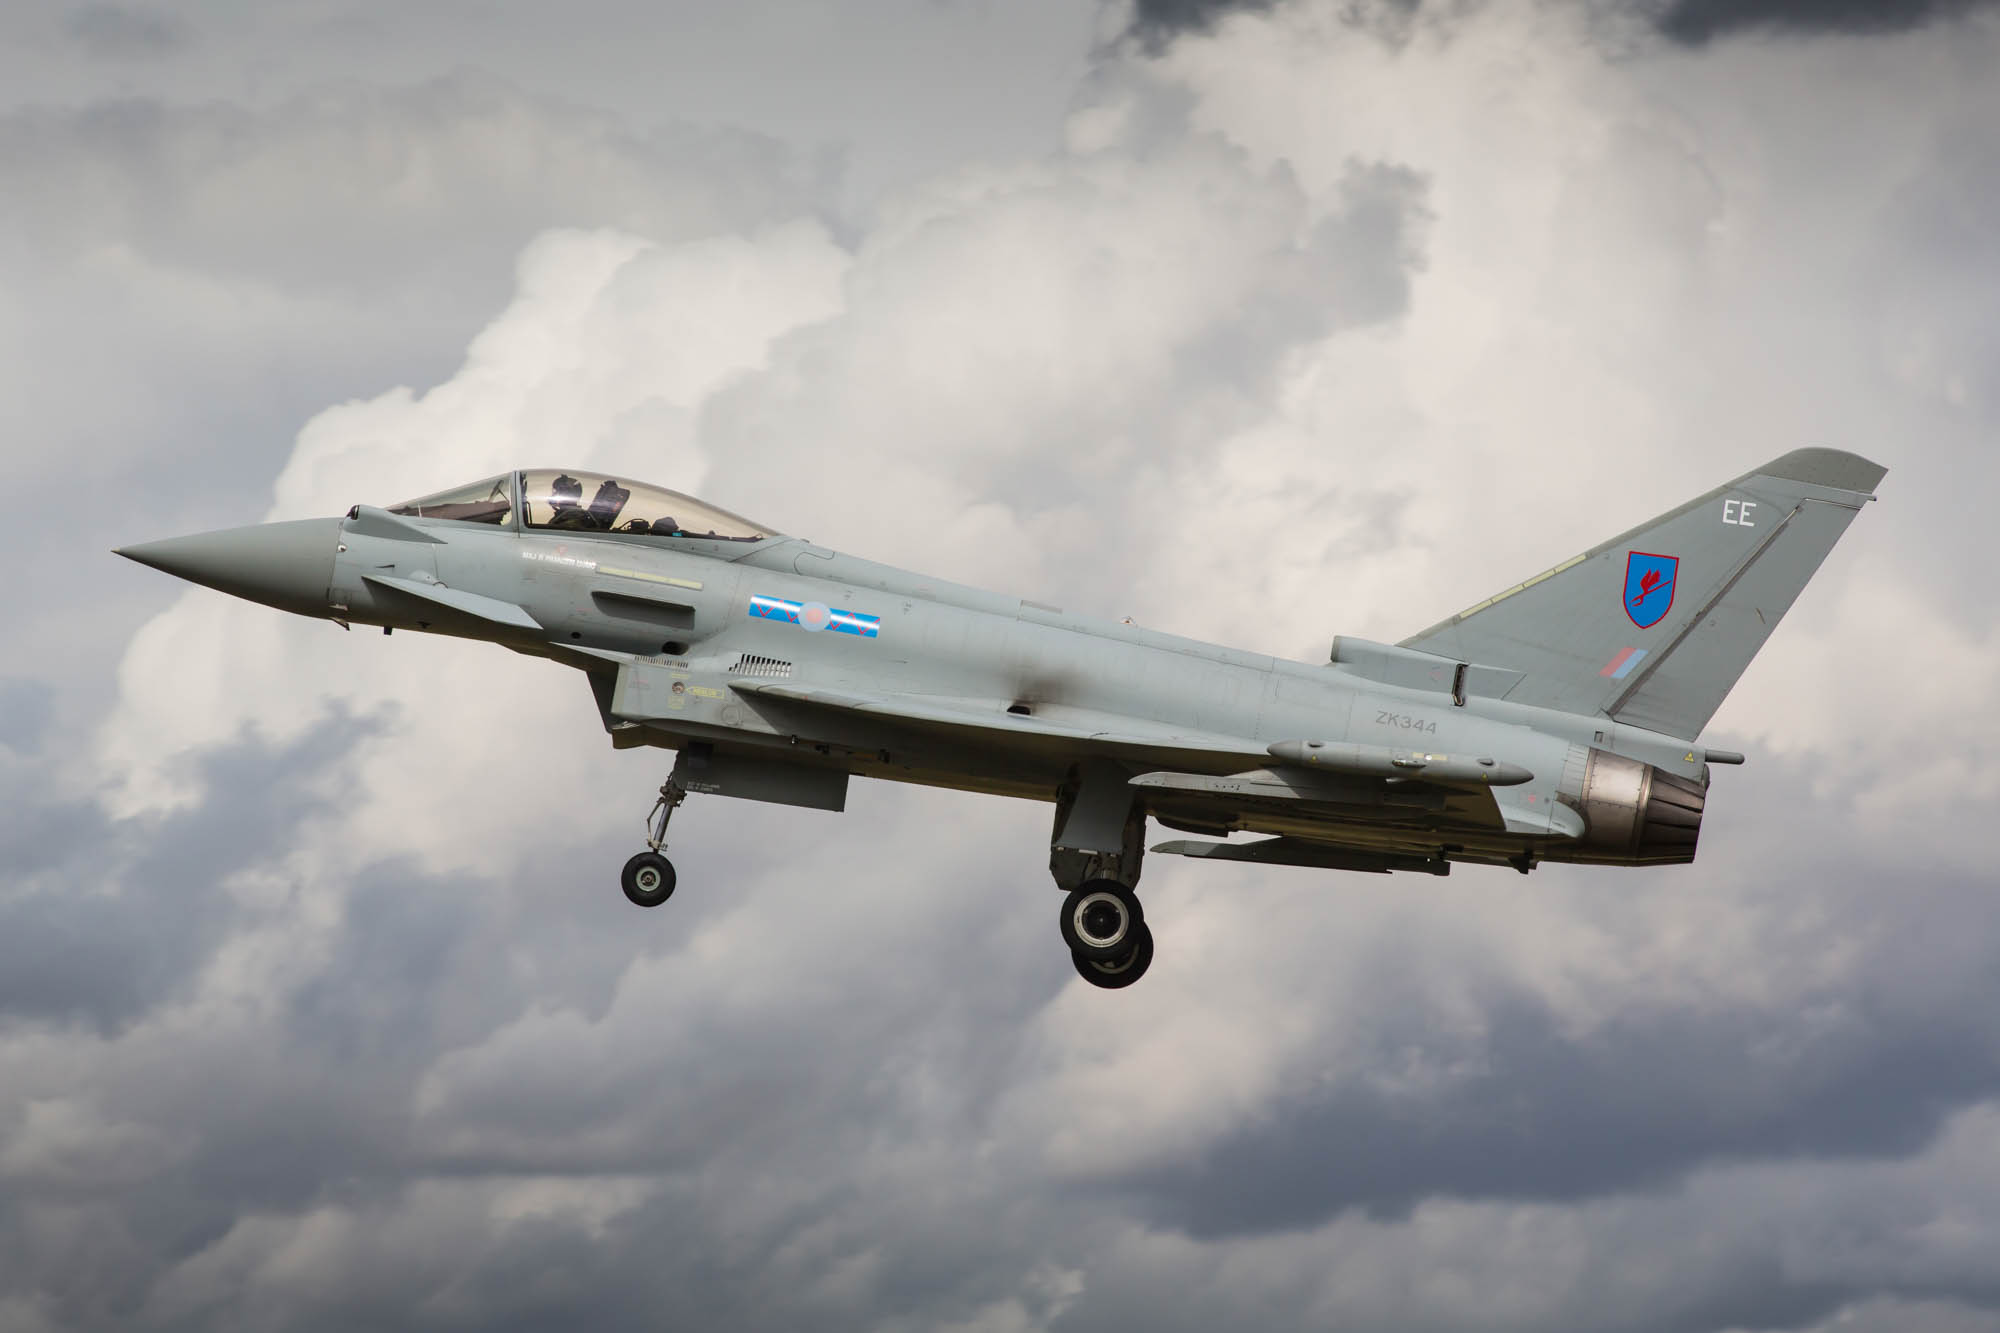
[1157,20]
[614,340]
[24,712]
[1698,21]
[258,195]
[1059,367]
[186,284]
[1733,1248]
[1301,331]
[1694,22]
[1637,1098]
[100,924]
[118,33]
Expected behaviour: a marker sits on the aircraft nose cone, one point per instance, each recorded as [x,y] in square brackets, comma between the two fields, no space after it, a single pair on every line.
[286,565]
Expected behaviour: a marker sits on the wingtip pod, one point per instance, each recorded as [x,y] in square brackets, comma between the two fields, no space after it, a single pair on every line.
[1835,469]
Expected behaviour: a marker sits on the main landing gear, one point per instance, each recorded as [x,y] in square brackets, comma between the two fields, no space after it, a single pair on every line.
[649,877]
[1105,929]
[1094,854]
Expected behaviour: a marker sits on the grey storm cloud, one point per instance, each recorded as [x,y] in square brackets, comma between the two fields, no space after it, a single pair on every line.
[24,712]
[196,278]
[348,1026]
[102,924]
[116,32]
[1643,1101]
[1157,19]
[1697,21]
[456,174]
[1689,21]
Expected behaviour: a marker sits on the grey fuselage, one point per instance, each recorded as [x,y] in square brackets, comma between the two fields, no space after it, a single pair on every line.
[1552,721]
[664,627]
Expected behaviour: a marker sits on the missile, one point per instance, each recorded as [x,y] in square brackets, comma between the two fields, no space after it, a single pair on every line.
[1381,761]
[1294,787]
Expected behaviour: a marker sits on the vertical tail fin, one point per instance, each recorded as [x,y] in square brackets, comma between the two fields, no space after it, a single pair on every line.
[1655,626]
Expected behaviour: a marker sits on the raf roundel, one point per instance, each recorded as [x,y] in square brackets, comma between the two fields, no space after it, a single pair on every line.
[815,616]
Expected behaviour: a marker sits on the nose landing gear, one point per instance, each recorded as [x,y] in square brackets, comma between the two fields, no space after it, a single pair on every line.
[649,877]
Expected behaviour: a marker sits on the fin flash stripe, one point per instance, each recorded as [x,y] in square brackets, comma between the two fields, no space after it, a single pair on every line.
[1621,666]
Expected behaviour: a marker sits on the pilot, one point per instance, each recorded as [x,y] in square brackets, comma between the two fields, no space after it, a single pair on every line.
[566,499]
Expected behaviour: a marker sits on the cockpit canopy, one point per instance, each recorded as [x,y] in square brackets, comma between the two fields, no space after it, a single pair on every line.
[583,502]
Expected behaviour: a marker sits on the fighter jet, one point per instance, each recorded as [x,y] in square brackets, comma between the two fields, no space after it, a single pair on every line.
[1557,720]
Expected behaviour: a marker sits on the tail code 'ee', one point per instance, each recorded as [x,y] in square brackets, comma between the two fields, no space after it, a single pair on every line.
[1654,627]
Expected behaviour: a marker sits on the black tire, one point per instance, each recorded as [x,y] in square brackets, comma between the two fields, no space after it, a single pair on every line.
[1120,974]
[648,879]
[1100,919]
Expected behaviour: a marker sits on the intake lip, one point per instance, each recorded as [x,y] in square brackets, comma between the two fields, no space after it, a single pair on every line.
[286,565]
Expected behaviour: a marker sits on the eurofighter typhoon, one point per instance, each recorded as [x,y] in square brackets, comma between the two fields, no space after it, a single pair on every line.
[1557,720]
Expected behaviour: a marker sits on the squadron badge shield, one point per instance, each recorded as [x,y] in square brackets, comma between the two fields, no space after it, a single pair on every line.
[1649,586]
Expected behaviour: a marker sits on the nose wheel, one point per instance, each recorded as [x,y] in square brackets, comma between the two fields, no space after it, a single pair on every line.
[648,878]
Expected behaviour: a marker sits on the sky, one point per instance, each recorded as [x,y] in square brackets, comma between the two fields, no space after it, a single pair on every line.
[1255,322]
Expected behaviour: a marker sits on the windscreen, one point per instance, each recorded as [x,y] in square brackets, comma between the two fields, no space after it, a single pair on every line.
[489,501]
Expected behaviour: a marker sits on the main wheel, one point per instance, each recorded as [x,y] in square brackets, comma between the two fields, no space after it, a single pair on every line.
[648,879]
[1100,920]
[1118,975]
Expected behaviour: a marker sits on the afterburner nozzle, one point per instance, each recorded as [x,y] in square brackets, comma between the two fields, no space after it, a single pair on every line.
[286,565]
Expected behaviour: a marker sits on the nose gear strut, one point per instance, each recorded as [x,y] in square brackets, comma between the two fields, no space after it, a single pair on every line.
[672,793]
[649,878]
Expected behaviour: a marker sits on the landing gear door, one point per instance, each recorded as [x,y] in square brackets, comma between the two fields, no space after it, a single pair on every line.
[756,778]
